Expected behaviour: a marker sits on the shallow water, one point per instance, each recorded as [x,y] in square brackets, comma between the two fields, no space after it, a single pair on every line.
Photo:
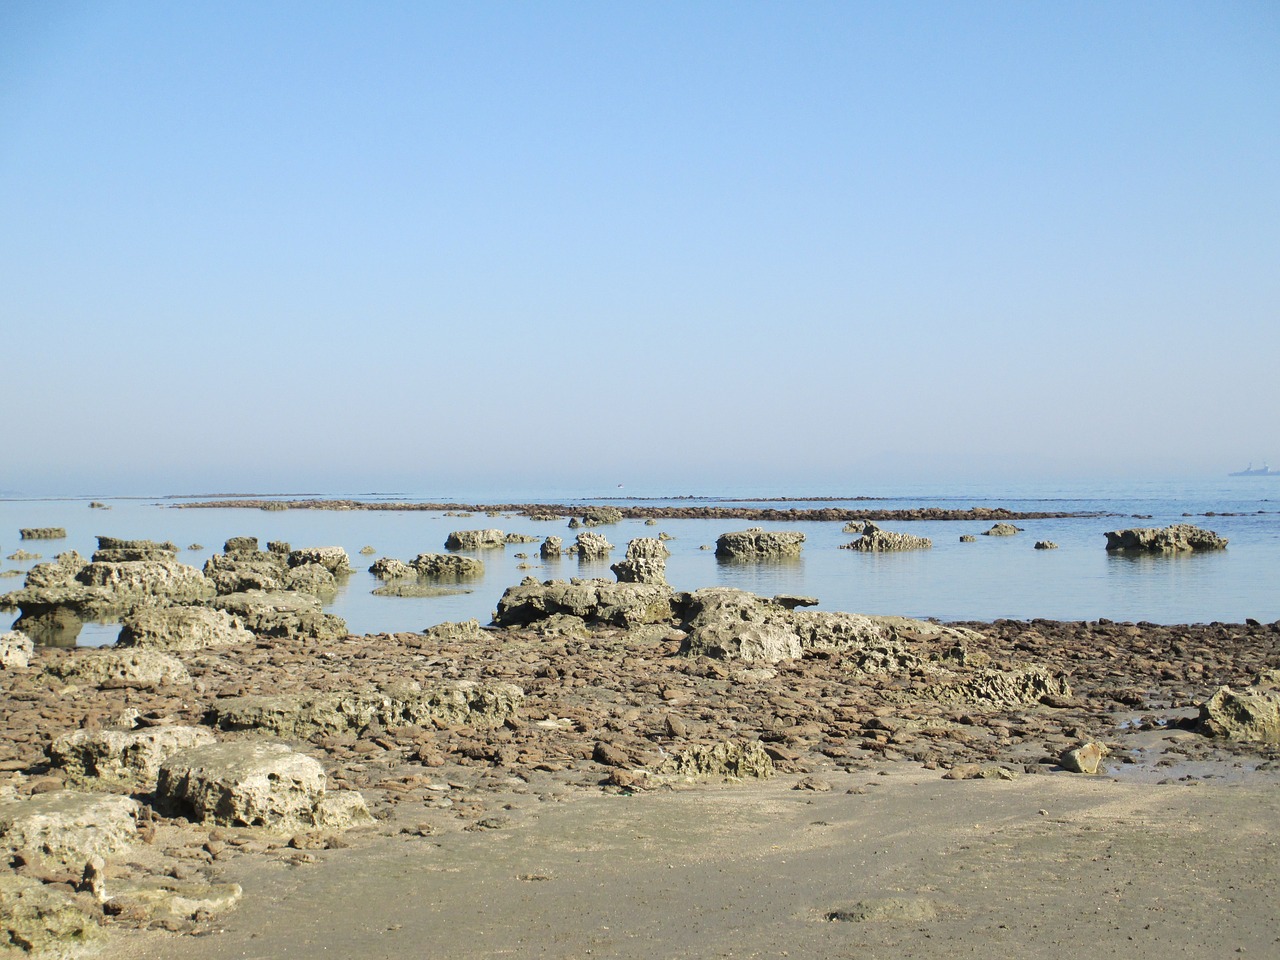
[991,578]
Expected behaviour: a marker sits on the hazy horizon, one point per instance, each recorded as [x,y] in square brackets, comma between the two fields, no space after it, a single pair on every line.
[684,247]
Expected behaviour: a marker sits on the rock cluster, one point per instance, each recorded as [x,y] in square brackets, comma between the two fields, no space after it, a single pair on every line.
[1178,538]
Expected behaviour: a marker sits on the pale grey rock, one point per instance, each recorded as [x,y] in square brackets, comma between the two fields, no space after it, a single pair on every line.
[551,547]
[1002,530]
[123,756]
[181,628]
[116,550]
[297,717]
[166,898]
[447,567]
[1178,538]
[144,669]
[69,827]
[1249,715]
[16,649]
[237,571]
[883,541]
[137,579]
[312,578]
[595,601]
[475,540]
[389,568]
[333,559]
[592,546]
[730,624]
[755,544]
[243,784]
[40,920]
[282,614]
[460,630]
[646,562]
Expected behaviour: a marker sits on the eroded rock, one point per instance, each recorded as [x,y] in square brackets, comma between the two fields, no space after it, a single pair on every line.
[181,628]
[1178,538]
[756,544]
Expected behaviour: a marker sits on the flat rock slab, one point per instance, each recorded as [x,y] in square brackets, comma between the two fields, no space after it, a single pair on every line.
[883,909]
[123,668]
[70,827]
[460,703]
[181,628]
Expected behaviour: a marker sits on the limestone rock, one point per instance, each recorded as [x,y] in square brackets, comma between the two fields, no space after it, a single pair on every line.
[1046,545]
[442,566]
[123,756]
[475,540]
[312,578]
[116,550]
[1002,530]
[144,669]
[237,571]
[463,630]
[16,649]
[646,562]
[730,758]
[389,568]
[298,717]
[595,601]
[246,784]
[181,628]
[968,538]
[730,624]
[282,614]
[60,572]
[1004,688]
[884,541]
[333,559]
[592,546]
[166,579]
[162,898]
[551,547]
[1251,715]
[42,921]
[1084,758]
[755,544]
[1178,538]
[599,516]
[42,533]
[70,828]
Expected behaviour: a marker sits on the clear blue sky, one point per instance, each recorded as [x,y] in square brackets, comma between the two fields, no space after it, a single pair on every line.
[685,245]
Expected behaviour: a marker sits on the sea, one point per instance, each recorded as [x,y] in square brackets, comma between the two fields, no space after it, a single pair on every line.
[992,578]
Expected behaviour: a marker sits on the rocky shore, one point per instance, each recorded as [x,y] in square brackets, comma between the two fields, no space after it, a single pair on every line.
[146,787]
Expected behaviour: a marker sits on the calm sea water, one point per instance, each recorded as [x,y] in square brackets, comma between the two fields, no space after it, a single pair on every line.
[994,577]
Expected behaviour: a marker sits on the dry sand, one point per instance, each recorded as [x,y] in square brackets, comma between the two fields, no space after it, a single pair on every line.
[1051,865]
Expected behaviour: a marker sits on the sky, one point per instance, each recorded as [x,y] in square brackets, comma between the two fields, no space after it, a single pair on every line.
[682,246]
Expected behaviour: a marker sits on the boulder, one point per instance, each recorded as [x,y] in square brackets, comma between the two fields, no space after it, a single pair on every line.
[241,545]
[755,544]
[333,559]
[312,578]
[389,568]
[164,579]
[248,784]
[70,828]
[595,601]
[144,669]
[449,630]
[551,547]
[475,540]
[1178,538]
[1046,545]
[123,756]
[1002,530]
[729,624]
[241,570]
[42,533]
[1084,758]
[968,538]
[60,572]
[282,614]
[646,562]
[885,541]
[443,566]
[16,649]
[592,546]
[181,628]
[1250,715]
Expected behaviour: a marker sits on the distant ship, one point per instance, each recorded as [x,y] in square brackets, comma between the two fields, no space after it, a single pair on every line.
[1262,471]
